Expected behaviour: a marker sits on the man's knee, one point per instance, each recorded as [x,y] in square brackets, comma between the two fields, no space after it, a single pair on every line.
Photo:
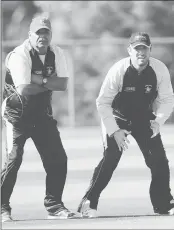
[160,165]
[56,161]
[15,156]
[56,168]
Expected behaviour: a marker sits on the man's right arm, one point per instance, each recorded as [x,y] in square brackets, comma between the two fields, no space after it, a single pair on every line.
[20,70]
[30,89]
[109,89]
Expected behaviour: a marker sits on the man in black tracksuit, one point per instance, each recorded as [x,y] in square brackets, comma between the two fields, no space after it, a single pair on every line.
[34,70]
[136,98]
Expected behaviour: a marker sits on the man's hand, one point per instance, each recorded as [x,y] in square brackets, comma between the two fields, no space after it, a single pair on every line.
[121,139]
[53,75]
[155,127]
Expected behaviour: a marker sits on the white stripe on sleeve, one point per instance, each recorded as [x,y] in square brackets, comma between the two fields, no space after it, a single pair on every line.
[164,103]
[60,62]
[109,89]
[9,136]
[19,68]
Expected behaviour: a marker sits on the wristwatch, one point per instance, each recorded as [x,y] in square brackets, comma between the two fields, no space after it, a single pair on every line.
[44,80]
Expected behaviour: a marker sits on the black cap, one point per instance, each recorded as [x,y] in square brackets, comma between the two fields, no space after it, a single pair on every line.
[140,38]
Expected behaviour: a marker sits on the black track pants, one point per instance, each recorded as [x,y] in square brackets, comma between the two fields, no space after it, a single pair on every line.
[155,158]
[46,138]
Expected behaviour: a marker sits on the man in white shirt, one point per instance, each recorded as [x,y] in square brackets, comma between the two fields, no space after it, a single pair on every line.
[34,70]
[136,98]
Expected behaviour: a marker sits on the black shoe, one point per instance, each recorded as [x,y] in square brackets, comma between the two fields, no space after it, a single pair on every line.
[161,212]
[169,211]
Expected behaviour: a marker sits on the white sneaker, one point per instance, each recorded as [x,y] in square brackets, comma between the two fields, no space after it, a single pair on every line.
[171,212]
[63,213]
[86,211]
[6,216]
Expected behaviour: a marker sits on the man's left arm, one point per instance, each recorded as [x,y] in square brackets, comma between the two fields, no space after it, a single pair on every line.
[164,103]
[57,81]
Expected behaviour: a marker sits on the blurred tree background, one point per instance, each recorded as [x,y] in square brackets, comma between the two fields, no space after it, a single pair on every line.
[76,26]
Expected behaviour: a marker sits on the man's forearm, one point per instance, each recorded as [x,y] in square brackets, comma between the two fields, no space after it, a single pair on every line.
[108,120]
[54,83]
[163,109]
[30,89]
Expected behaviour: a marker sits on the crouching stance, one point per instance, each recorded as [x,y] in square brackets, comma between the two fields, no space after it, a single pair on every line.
[136,98]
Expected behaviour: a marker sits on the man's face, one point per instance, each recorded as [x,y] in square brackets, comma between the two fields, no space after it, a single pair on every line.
[41,38]
[139,54]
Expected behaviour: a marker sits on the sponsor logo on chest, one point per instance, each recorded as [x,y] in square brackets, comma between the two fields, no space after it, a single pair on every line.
[148,88]
[38,72]
[49,70]
[129,89]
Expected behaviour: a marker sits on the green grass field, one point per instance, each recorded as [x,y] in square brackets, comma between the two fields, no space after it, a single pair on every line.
[124,204]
